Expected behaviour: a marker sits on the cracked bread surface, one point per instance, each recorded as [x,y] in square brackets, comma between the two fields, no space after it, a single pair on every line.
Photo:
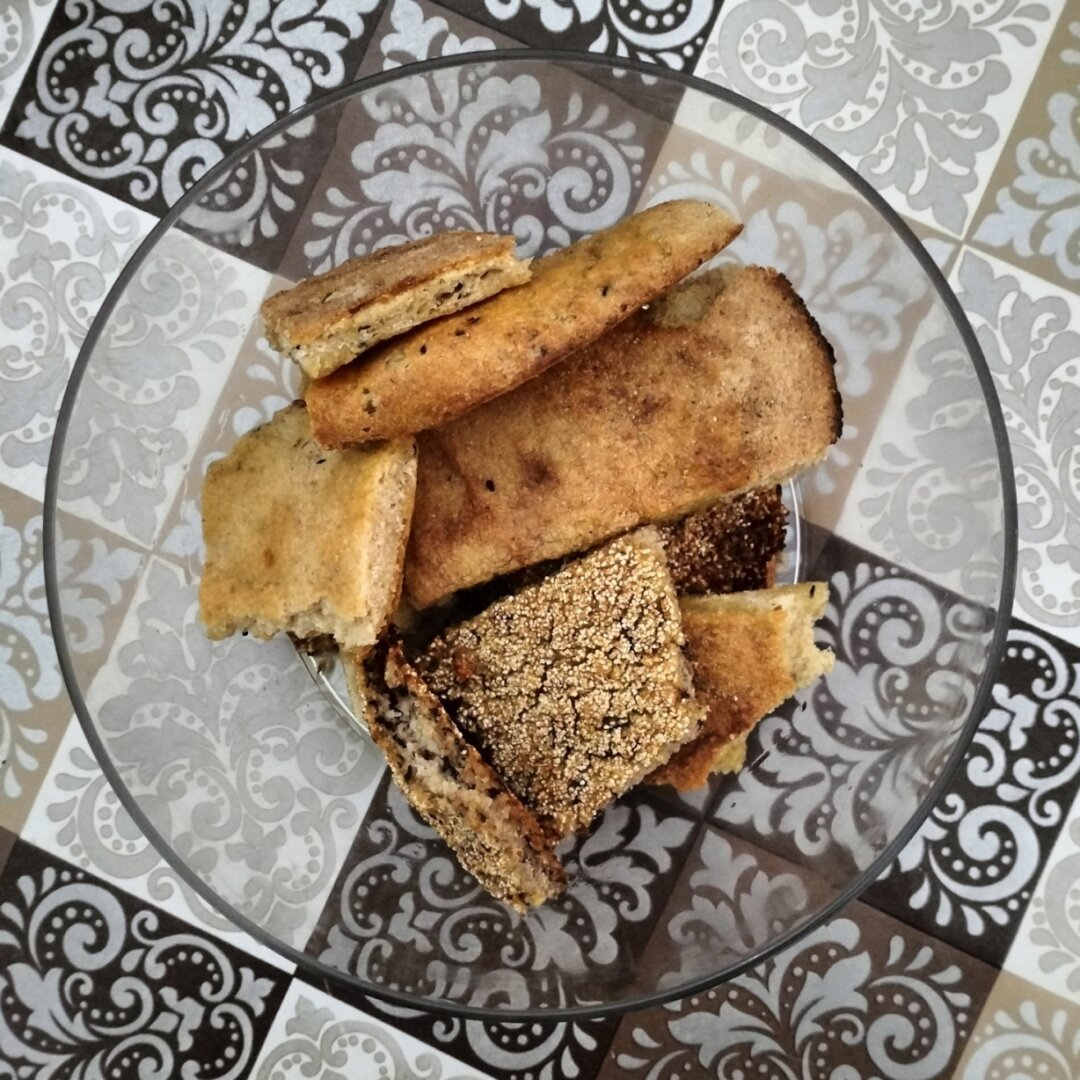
[326,321]
[494,836]
[750,652]
[304,540]
[576,687]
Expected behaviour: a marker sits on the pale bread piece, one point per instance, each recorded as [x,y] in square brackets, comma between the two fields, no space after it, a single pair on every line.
[652,422]
[302,539]
[733,546]
[576,687]
[495,838]
[441,370]
[328,320]
[750,652]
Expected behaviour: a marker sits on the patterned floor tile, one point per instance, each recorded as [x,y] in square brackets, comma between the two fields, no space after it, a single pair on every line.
[861,997]
[1046,950]
[1023,1031]
[34,709]
[916,98]
[93,983]
[234,755]
[403,915]
[163,357]
[671,33]
[475,149]
[318,1037]
[854,273]
[1030,333]
[970,873]
[175,87]
[839,770]
[1029,213]
[22,22]
[63,247]
[77,817]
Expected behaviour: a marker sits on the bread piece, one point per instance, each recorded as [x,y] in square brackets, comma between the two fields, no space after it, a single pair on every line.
[494,837]
[574,688]
[439,371]
[328,320]
[660,417]
[730,547]
[750,652]
[305,540]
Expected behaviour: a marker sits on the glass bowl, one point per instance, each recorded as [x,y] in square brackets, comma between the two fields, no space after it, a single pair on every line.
[246,773]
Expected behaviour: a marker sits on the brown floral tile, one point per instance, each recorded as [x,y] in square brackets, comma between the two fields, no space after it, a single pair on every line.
[97,582]
[862,997]
[1023,1031]
[1030,212]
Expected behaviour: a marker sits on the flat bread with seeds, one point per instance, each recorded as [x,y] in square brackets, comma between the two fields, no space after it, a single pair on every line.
[723,386]
[450,785]
[330,319]
[440,370]
[576,687]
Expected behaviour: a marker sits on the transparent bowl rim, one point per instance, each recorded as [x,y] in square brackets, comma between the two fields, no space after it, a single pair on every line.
[980,701]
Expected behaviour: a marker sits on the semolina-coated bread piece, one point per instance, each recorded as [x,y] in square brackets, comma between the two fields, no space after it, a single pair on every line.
[723,386]
[440,370]
[733,546]
[750,652]
[328,320]
[494,837]
[302,539]
[576,687]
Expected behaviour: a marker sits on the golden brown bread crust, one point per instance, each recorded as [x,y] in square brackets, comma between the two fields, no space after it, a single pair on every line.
[302,539]
[733,546]
[576,687]
[493,835]
[326,321]
[648,423]
[440,370]
[750,652]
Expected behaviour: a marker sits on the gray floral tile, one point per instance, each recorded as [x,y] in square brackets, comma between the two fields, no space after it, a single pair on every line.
[861,997]
[476,149]
[22,22]
[173,88]
[34,710]
[318,1037]
[1029,214]
[63,246]
[969,874]
[1023,1031]
[93,983]
[917,100]
[233,755]
[77,817]
[158,369]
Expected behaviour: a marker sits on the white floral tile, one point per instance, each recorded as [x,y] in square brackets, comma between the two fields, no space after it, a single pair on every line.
[1030,214]
[22,22]
[317,1037]
[61,247]
[917,98]
[238,761]
[78,818]
[1047,946]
